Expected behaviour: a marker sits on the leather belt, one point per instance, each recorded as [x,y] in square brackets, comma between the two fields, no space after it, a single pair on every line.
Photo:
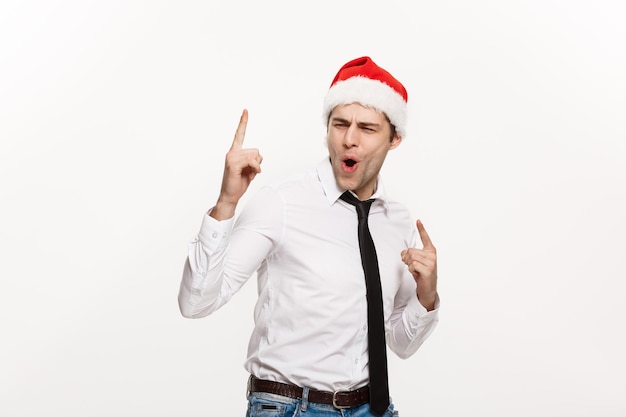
[338,399]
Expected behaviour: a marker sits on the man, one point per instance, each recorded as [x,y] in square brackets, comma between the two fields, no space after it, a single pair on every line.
[329,299]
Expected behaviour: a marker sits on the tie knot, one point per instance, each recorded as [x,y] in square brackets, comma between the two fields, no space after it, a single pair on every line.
[362,207]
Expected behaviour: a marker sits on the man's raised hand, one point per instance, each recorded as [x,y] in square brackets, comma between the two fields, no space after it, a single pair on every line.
[422,264]
[240,168]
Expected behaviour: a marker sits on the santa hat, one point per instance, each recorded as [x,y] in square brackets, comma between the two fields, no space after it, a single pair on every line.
[362,81]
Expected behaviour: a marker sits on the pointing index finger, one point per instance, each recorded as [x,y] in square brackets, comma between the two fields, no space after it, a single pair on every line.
[241,130]
[428,244]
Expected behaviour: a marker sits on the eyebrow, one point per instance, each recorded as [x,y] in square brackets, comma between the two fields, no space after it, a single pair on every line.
[359,124]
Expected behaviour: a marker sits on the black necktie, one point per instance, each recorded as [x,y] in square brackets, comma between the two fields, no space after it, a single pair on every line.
[379,387]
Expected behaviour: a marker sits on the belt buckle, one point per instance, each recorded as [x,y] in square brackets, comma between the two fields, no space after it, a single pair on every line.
[335,401]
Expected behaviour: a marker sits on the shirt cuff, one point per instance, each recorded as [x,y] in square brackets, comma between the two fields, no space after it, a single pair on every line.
[418,314]
[214,233]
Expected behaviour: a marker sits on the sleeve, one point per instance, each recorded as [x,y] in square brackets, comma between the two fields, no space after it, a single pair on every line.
[411,326]
[224,255]
[410,323]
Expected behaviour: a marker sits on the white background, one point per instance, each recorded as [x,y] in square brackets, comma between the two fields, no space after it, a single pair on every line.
[114,120]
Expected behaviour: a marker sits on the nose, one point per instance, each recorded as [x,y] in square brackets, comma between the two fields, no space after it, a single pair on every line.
[351,137]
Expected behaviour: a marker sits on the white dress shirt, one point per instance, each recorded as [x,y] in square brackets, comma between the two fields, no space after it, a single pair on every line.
[311,313]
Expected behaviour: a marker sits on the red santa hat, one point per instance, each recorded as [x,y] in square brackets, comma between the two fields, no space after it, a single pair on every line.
[362,81]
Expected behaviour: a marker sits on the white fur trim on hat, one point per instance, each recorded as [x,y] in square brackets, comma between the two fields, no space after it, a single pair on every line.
[370,93]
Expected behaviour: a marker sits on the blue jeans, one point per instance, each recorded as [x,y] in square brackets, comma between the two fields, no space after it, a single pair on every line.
[261,404]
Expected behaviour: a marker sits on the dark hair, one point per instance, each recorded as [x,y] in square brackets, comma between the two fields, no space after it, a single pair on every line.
[393,131]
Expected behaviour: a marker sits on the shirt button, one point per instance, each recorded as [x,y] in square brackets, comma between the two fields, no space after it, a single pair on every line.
[356,361]
[214,235]
[365,327]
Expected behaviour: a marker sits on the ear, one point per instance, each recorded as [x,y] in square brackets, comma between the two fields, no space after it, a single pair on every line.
[395,142]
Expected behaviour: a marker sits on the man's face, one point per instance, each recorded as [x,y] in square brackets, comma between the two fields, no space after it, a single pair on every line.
[358,141]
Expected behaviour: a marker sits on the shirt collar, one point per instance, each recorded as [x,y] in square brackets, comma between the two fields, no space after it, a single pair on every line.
[333,191]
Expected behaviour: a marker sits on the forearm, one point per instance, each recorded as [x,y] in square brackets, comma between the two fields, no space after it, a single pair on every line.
[191,301]
[224,255]
[200,292]
[411,326]
[428,299]
[223,210]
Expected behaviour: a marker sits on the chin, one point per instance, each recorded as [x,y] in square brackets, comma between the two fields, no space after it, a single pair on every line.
[347,185]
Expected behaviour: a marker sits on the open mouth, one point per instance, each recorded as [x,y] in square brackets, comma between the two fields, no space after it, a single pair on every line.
[349,165]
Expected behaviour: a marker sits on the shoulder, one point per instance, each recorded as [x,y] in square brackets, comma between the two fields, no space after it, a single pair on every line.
[277,191]
[399,218]
[268,205]
[297,184]
[398,211]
